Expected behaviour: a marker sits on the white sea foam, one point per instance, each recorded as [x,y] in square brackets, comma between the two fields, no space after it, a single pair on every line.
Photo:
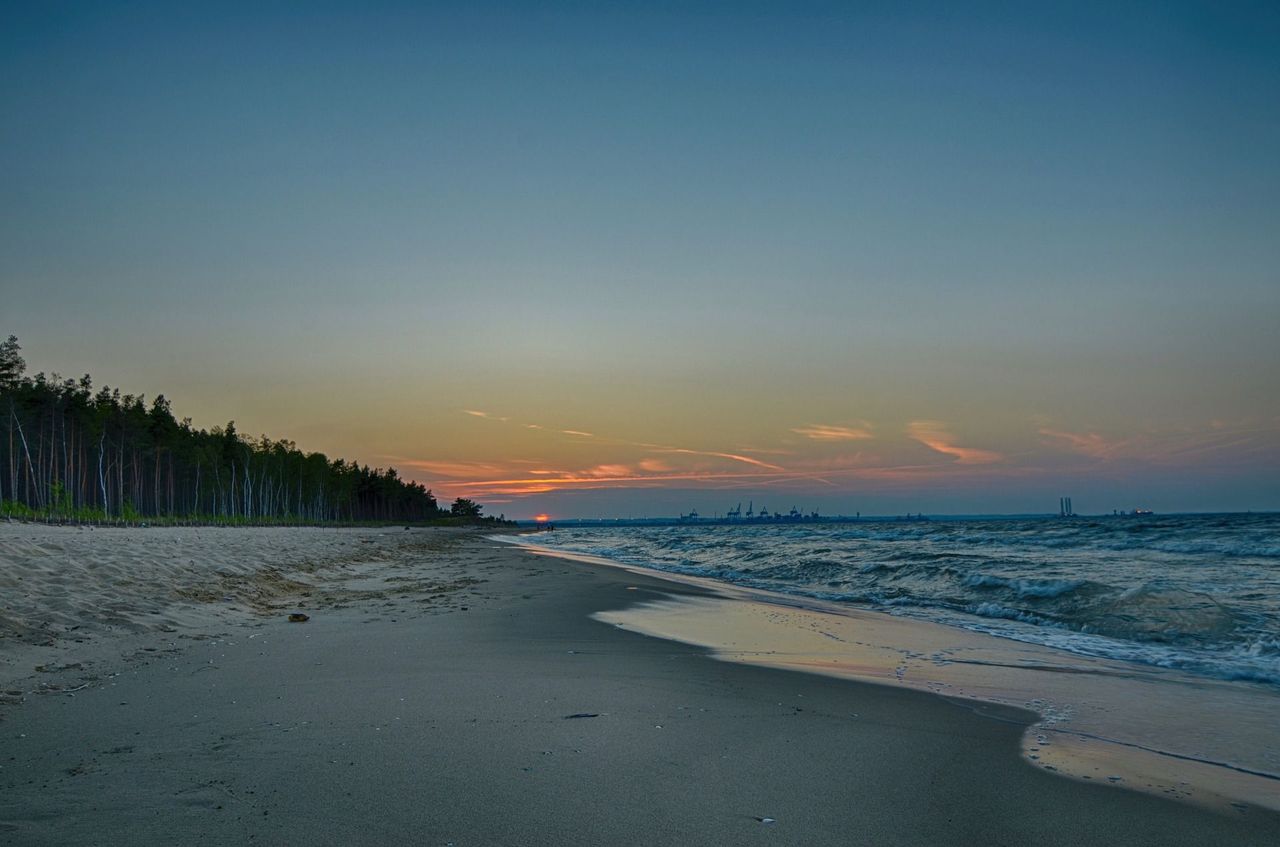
[1025,587]
[1197,593]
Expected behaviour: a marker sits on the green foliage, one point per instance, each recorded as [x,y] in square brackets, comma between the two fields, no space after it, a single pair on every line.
[12,364]
[59,502]
[17,509]
[70,453]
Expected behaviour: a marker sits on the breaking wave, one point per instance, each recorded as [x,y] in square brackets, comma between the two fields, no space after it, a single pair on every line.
[1198,593]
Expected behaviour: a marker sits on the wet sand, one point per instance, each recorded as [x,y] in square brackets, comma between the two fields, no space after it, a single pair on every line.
[448,689]
[1205,741]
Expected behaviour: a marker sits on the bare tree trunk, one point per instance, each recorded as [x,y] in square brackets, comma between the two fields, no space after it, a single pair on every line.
[102,480]
[26,448]
[13,466]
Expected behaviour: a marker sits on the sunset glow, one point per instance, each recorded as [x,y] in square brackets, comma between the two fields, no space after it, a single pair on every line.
[810,461]
[741,269]
[640,423]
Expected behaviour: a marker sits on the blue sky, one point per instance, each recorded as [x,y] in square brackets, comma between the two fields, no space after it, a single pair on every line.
[1046,232]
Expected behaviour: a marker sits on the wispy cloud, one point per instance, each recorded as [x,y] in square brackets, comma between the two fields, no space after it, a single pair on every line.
[601,461]
[623,476]
[766,451]
[934,435]
[599,476]
[456,470]
[1085,443]
[610,462]
[714,454]
[828,432]
[476,413]
[610,471]
[1216,441]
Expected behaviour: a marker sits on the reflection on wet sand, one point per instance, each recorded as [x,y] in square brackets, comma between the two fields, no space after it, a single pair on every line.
[1205,741]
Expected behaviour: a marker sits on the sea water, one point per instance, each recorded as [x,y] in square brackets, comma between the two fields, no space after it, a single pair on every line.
[1149,646]
[1199,593]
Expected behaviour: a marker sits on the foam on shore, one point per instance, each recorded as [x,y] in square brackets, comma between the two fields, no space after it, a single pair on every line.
[431,693]
[1204,741]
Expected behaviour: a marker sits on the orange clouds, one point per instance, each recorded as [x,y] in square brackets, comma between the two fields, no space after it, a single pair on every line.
[826,432]
[934,435]
[457,470]
[610,472]
[542,459]
[476,413]
[622,463]
[711,453]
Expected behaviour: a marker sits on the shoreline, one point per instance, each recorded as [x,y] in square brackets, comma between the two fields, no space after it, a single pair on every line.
[414,705]
[1095,721]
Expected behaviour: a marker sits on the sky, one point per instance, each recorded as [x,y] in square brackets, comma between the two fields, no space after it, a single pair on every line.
[639,258]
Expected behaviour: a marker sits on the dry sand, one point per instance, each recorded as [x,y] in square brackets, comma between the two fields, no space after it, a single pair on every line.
[71,597]
[433,698]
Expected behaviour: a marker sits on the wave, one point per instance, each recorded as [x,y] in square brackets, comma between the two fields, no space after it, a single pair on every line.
[995,610]
[1043,588]
[1187,592]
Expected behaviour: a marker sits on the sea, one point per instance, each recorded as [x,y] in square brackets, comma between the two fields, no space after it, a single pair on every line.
[1195,593]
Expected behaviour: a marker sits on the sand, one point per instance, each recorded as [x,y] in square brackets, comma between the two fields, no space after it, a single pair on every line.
[79,595]
[431,699]
[1206,741]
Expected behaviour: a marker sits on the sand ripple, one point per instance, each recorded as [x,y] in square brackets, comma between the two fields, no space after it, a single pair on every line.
[58,583]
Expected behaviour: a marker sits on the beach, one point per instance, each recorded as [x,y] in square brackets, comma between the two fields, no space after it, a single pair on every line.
[450,689]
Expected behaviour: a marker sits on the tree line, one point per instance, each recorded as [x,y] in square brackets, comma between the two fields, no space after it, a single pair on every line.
[74,453]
